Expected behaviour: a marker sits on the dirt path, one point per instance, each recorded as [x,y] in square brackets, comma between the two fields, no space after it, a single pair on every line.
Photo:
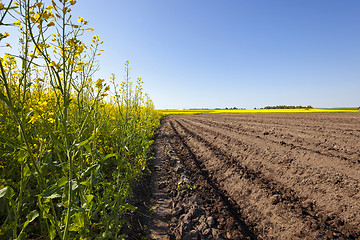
[258,176]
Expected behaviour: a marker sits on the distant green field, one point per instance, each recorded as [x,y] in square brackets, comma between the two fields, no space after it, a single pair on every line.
[298,110]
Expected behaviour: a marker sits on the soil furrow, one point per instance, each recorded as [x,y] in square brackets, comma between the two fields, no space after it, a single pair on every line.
[329,193]
[286,130]
[324,146]
[277,193]
[207,185]
[265,176]
[347,168]
[322,123]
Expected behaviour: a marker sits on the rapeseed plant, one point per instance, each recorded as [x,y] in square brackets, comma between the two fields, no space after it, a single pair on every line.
[68,155]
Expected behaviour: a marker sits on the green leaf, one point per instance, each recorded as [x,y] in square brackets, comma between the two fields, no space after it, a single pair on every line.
[23,155]
[55,195]
[86,143]
[89,198]
[73,228]
[22,236]
[79,219]
[90,169]
[83,143]
[7,192]
[52,232]
[27,171]
[129,207]
[3,192]
[74,185]
[78,222]
[62,181]
[32,215]
[86,183]
[66,166]
[109,156]
[51,193]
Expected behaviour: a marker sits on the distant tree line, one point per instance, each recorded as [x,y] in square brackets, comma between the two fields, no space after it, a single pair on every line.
[286,107]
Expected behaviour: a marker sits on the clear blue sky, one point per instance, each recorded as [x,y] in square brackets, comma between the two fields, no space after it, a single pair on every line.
[233,53]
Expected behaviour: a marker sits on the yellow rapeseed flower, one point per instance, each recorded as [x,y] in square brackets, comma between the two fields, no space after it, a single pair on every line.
[4,35]
[78,69]
[72,2]
[99,83]
[46,15]
[43,103]
[65,10]
[17,23]
[36,18]
[53,64]
[1,6]
[34,118]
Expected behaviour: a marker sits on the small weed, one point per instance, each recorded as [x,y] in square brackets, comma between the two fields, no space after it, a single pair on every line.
[186,186]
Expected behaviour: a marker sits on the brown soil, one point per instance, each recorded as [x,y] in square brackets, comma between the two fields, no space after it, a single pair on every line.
[258,176]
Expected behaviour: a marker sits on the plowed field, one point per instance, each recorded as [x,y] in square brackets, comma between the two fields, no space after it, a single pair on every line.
[263,176]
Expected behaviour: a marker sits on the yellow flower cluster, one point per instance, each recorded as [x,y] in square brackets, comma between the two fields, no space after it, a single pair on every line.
[41,111]
[4,35]
[99,83]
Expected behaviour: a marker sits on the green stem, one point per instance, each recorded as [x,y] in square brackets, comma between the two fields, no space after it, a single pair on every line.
[17,212]
[25,140]
[66,100]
